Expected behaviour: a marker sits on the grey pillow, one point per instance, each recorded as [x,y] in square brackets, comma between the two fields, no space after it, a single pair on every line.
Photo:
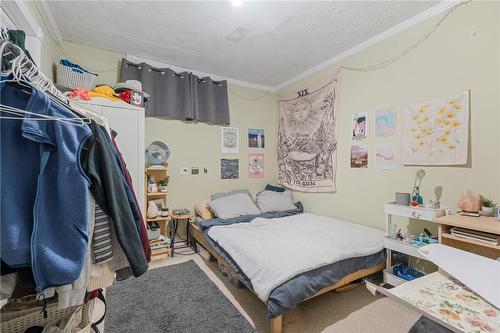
[233,206]
[270,201]
[227,194]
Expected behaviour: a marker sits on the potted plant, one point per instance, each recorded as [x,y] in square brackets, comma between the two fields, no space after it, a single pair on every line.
[163,184]
[487,205]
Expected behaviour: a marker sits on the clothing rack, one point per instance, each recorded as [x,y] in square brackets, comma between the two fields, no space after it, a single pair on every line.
[29,68]
[22,66]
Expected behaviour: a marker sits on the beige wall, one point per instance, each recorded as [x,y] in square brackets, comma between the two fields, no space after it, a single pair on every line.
[198,145]
[51,51]
[450,61]
[103,62]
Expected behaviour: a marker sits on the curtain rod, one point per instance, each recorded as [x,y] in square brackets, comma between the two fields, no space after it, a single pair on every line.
[181,75]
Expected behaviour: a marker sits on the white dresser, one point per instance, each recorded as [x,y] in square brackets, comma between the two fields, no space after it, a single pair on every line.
[128,121]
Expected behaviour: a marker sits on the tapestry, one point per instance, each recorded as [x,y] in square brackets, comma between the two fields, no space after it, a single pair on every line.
[436,132]
[307,140]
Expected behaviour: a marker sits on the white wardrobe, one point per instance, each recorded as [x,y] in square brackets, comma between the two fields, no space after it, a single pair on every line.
[128,121]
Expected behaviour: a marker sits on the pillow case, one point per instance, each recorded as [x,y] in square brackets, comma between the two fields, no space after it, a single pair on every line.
[233,206]
[227,194]
[271,201]
[274,188]
[203,210]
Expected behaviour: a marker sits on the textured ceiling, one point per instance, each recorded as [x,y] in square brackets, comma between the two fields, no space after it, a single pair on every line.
[259,42]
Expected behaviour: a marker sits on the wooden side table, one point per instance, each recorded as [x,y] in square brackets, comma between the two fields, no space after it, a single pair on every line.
[175,225]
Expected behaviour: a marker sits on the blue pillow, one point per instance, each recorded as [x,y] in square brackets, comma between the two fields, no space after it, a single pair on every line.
[274,188]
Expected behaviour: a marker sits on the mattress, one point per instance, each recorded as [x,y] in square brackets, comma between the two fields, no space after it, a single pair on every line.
[299,283]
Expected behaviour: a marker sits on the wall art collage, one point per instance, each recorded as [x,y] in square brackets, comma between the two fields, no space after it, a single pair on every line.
[230,167]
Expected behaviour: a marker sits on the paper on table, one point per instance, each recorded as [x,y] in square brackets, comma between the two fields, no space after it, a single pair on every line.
[479,273]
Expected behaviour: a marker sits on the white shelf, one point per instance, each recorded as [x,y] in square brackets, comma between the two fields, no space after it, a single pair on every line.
[402,247]
[421,213]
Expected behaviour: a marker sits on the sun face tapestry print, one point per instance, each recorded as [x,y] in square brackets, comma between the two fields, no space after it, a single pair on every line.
[307,141]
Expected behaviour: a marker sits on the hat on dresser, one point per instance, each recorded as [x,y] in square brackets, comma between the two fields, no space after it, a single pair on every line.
[131,85]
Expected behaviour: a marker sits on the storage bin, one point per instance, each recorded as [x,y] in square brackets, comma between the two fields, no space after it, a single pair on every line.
[74,78]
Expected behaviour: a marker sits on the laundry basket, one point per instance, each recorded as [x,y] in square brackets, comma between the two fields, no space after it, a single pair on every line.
[72,77]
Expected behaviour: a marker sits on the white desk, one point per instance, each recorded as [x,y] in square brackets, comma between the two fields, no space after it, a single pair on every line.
[448,302]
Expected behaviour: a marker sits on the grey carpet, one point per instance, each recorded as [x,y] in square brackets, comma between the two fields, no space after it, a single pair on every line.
[177,298]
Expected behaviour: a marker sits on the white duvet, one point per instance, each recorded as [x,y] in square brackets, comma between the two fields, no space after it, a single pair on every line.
[272,251]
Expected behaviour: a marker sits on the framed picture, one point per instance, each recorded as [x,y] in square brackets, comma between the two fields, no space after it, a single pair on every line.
[229,168]
[385,123]
[256,165]
[384,156]
[229,140]
[359,125]
[359,156]
[256,138]
[436,131]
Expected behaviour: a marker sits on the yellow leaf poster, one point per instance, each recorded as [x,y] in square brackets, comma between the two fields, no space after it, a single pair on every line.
[436,131]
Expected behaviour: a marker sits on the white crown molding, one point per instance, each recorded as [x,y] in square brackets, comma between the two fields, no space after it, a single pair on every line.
[48,19]
[136,59]
[22,17]
[434,10]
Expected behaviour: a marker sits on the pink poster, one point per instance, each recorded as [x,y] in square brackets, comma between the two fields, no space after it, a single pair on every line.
[256,165]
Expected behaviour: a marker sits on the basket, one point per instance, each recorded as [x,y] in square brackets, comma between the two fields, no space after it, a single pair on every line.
[74,78]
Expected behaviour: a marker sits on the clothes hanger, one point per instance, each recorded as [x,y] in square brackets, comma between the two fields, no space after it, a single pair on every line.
[26,74]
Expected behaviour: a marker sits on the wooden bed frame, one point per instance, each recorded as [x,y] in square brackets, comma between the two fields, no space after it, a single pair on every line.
[277,323]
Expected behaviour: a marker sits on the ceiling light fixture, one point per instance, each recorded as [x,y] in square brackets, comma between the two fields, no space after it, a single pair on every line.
[236,3]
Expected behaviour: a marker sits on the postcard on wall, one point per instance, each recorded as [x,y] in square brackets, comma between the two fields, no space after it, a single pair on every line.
[436,132]
[229,140]
[359,156]
[385,123]
[384,156]
[256,138]
[359,125]
[229,168]
[256,165]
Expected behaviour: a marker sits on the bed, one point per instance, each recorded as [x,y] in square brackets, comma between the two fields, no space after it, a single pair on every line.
[287,257]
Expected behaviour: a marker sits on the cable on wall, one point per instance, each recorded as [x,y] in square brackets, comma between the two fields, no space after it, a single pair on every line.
[249,98]
[395,58]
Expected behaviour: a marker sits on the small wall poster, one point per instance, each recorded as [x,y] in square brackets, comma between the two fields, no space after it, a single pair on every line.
[229,140]
[256,138]
[385,123]
[359,125]
[256,165]
[359,156]
[384,156]
[436,132]
[229,168]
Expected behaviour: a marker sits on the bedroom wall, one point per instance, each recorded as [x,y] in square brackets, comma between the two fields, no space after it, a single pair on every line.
[450,61]
[198,145]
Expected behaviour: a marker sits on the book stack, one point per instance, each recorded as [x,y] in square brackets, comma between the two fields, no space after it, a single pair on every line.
[479,236]
[160,244]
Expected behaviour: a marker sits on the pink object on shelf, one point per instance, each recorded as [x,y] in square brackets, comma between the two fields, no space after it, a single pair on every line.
[469,201]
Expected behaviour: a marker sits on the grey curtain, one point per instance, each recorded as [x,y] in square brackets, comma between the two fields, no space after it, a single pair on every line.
[181,96]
